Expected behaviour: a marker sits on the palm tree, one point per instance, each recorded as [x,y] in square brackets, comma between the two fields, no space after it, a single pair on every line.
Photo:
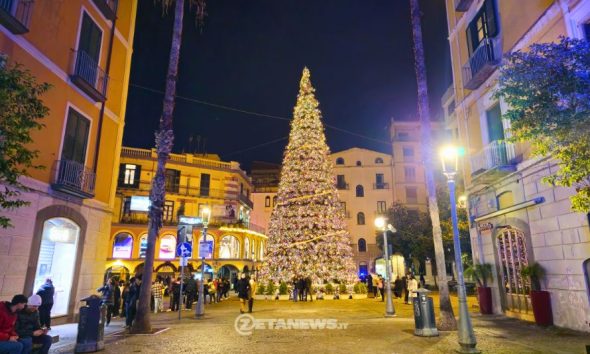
[164,143]
[446,319]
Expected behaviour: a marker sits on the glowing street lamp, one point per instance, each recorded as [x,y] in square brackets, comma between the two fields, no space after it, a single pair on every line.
[381,224]
[450,160]
[200,311]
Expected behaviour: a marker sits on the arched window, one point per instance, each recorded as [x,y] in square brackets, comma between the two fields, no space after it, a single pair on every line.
[362,244]
[360,218]
[378,160]
[340,161]
[122,245]
[210,246]
[274,200]
[360,191]
[247,248]
[358,163]
[505,200]
[229,247]
[167,247]
[142,246]
[267,201]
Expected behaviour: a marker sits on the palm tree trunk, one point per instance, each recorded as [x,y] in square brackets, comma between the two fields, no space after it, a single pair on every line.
[164,142]
[446,321]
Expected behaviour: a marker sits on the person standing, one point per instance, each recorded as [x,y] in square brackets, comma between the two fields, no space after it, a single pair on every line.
[175,296]
[397,287]
[370,283]
[380,286]
[131,301]
[124,295]
[251,293]
[29,328]
[9,340]
[46,291]
[412,287]
[157,294]
[116,298]
[405,288]
[108,298]
[243,291]
[375,278]
[191,292]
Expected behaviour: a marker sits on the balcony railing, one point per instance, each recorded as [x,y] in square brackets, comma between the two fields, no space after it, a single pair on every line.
[244,199]
[179,189]
[74,178]
[145,154]
[15,15]
[342,186]
[462,5]
[482,63]
[380,185]
[497,156]
[88,76]
[107,7]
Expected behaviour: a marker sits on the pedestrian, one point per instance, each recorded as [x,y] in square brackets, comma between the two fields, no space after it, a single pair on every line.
[295,290]
[226,286]
[301,289]
[380,286]
[124,295]
[375,279]
[28,327]
[212,291]
[46,291]
[370,283]
[219,287]
[157,295]
[10,342]
[251,293]
[191,292]
[243,292]
[308,289]
[116,298]
[422,281]
[175,295]
[131,301]
[405,288]
[397,287]
[108,298]
[412,287]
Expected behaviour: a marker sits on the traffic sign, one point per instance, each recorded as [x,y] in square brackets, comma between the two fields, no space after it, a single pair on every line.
[184,249]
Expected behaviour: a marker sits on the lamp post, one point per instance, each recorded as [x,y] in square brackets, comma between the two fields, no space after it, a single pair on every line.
[467,341]
[381,224]
[200,310]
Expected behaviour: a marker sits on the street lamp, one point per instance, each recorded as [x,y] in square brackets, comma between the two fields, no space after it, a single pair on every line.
[450,159]
[200,311]
[381,224]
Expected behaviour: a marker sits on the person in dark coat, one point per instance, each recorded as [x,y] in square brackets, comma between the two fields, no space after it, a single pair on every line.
[28,326]
[370,283]
[131,301]
[124,294]
[190,291]
[175,296]
[243,287]
[405,288]
[308,289]
[397,287]
[116,298]
[46,291]
[108,298]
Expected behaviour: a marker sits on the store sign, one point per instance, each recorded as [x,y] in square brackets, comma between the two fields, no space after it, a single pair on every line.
[482,227]
[167,247]
[139,203]
[122,247]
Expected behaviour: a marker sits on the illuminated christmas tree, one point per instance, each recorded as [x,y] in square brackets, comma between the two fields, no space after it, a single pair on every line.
[307,233]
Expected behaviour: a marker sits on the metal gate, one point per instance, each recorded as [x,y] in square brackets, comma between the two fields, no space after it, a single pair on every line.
[512,257]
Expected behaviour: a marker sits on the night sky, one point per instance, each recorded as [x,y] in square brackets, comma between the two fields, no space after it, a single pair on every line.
[249,57]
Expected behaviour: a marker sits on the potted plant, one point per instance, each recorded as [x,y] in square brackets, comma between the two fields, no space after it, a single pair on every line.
[540,299]
[482,274]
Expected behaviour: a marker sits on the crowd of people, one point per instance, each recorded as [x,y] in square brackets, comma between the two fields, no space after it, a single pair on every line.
[402,287]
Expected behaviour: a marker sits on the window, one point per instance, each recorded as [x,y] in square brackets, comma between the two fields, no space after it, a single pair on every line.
[410,174]
[267,201]
[379,181]
[381,206]
[129,175]
[408,154]
[340,182]
[274,200]
[75,138]
[360,218]
[229,247]
[167,247]
[168,211]
[126,207]
[378,160]
[122,245]
[241,188]
[358,163]
[360,191]
[172,180]
[483,25]
[494,120]
[142,246]
[363,270]
[340,161]
[204,186]
[89,50]
[411,195]
[247,248]
[362,244]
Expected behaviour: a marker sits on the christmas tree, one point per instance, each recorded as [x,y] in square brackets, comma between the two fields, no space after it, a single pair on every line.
[307,234]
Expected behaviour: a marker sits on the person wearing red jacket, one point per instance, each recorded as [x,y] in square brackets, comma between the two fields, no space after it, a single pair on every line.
[9,341]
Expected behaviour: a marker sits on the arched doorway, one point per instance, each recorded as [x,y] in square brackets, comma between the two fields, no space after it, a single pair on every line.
[165,270]
[229,272]
[208,272]
[138,270]
[117,272]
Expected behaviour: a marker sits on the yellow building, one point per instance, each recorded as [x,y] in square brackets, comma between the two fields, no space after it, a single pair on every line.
[516,219]
[83,49]
[193,182]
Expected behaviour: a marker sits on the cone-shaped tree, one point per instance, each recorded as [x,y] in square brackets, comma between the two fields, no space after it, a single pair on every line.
[307,233]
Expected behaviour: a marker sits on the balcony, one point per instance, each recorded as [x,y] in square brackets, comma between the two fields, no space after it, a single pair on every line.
[15,15]
[380,185]
[462,5]
[494,161]
[244,199]
[482,63]
[88,76]
[342,186]
[107,7]
[74,178]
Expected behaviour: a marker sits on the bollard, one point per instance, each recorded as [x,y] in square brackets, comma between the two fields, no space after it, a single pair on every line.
[91,326]
[424,315]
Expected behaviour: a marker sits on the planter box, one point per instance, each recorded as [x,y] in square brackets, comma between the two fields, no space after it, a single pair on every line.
[484,295]
[541,301]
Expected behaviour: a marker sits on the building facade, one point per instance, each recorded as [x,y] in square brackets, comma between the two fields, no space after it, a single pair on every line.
[516,219]
[84,51]
[193,182]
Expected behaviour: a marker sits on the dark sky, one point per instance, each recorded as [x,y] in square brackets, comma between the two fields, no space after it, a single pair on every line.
[250,54]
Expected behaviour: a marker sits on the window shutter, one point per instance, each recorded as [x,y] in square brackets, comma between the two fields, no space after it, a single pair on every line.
[137,178]
[121,174]
[492,26]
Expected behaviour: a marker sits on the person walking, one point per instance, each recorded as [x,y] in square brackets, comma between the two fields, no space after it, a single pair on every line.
[131,301]
[10,342]
[212,291]
[380,284]
[108,298]
[46,291]
[412,287]
[28,327]
[251,293]
[243,292]
[157,294]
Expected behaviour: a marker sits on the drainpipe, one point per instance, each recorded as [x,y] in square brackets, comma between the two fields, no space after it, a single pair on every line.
[103,104]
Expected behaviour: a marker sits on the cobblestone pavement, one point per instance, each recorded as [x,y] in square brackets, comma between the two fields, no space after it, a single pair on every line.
[367,332]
